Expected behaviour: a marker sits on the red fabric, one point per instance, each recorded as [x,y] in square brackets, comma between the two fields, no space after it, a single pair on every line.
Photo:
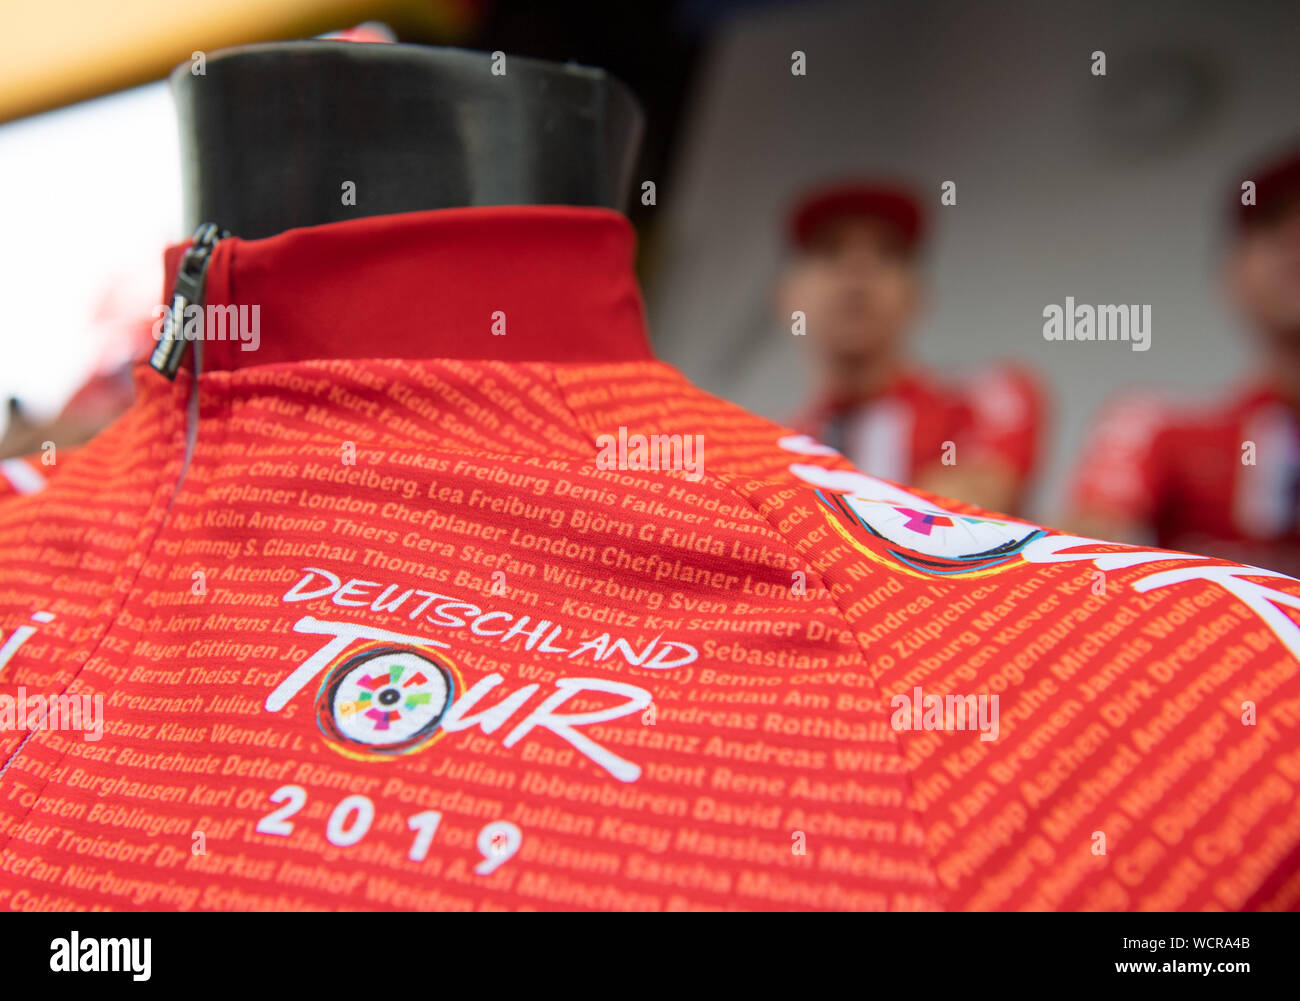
[23,475]
[561,277]
[1220,480]
[996,413]
[667,691]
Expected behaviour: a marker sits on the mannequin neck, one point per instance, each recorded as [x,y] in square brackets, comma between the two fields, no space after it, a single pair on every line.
[291,134]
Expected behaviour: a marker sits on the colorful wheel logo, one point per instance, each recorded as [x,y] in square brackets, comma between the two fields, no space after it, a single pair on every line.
[384,701]
[926,540]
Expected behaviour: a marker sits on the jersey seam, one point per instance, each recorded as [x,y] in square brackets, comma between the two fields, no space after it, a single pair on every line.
[143,552]
[938,891]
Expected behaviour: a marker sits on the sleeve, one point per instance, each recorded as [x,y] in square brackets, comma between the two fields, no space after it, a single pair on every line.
[1118,471]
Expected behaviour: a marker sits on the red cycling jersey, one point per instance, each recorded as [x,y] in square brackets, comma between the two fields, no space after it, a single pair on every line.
[450,596]
[1223,481]
[995,414]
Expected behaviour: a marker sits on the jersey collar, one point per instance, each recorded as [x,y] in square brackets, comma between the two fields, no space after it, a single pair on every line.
[525,283]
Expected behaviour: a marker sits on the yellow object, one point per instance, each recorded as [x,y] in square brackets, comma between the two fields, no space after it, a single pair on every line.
[61,51]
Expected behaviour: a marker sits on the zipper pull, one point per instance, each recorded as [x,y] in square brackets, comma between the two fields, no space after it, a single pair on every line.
[187,291]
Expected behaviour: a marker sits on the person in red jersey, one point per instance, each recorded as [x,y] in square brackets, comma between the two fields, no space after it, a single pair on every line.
[1223,479]
[855,282]
[31,448]
[368,622]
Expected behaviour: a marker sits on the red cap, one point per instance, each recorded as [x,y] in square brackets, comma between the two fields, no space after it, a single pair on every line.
[889,203]
[1277,183]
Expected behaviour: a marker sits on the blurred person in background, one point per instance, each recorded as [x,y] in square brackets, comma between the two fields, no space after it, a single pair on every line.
[1220,479]
[127,329]
[31,444]
[856,278]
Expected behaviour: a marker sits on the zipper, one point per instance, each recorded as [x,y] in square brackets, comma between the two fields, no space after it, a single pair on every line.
[165,359]
[191,276]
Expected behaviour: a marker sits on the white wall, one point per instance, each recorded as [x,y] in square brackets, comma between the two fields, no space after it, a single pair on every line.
[1108,189]
[89,197]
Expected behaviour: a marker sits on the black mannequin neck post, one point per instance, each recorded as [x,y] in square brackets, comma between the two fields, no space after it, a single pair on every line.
[291,134]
